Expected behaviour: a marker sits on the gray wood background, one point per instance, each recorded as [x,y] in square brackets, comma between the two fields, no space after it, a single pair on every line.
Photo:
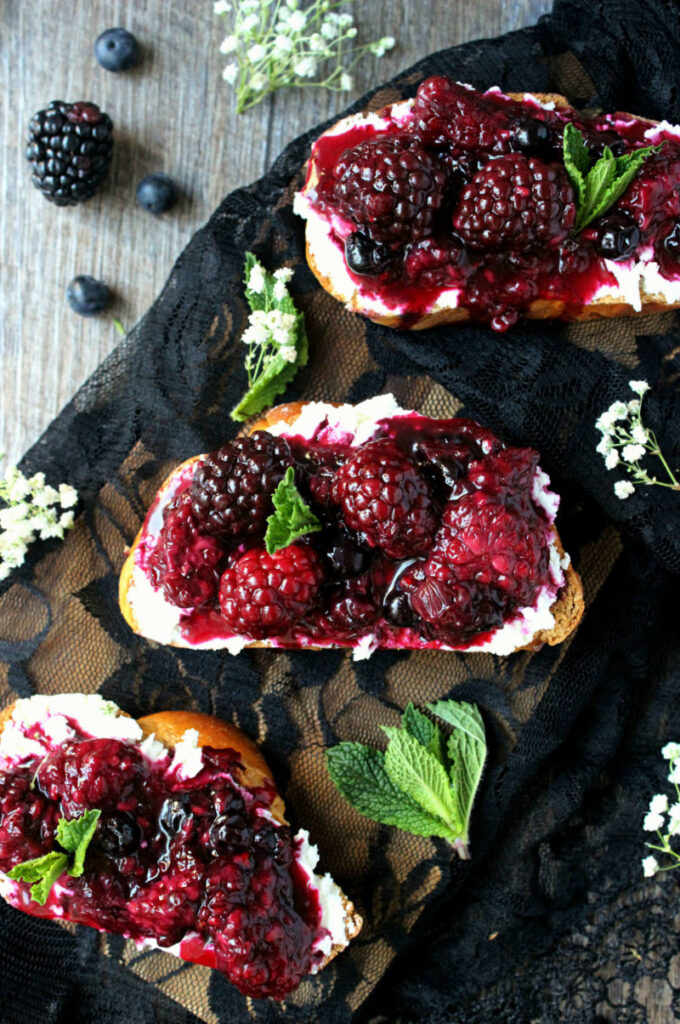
[174,113]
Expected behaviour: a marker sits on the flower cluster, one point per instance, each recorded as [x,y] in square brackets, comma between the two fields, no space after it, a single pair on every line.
[274,44]
[625,441]
[31,509]
[655,818]
[275,336]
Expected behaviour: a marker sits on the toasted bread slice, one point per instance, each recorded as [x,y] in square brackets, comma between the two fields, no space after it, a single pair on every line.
[567,609]
[342,287]
[169,728]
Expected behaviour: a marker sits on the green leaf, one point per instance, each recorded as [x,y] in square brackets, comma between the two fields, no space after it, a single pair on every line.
[598,187]
[359,773]
[292,517]
[421,776]
[467,752]
[424,730]
[75,836]
[43,871]
[576,160]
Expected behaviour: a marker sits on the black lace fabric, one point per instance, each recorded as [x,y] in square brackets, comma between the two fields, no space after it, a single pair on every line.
[551,920]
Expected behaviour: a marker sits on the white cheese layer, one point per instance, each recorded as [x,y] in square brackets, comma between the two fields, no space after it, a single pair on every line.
[353,425]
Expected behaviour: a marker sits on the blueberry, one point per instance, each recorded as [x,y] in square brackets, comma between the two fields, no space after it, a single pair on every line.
[87,296]
[532,137]
[671,242]
[116,49]
[618,237]
[397,609]
[364,256]
[156,193]
[119,834]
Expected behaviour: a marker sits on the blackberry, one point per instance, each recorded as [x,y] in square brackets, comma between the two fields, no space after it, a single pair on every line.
[515,203]
[386,500]
[185,562]
[232,488]
[116,49]
[446,113]
[69,149]
[264,595]
[391,188]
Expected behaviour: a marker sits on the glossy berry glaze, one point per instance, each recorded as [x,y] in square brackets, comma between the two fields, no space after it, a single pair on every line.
[467,191]
[197,864]
[434,534]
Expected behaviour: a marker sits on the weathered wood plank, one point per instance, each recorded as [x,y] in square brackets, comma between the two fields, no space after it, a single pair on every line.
[174,113]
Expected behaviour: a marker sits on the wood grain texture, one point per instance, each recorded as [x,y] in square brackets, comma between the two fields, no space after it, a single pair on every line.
[174,114]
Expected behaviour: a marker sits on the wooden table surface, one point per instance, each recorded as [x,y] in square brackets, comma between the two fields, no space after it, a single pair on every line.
[173,113]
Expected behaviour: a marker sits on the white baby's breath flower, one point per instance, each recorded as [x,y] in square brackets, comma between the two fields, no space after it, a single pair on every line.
[329,28]
[653,822]
[66,520]
[13,514]
[288,353]
[632,452]
[256,53]
[674,773]
[634,405]
[256,279]
[280,291]
[305,68]
[674,818]
[249,23]
[605,445]
[380,48]
[611,459]
[46,496]
[284,274]
[230,73]
[659,804]
[68,496]
[221,7]
[640,387]
[17,483]
[670,751]
[36,482]
[650,866]
[297,21]
[283,44]
[346,82]
[639,434]
[618,411]
[229,44]
[258,81]
[623,489]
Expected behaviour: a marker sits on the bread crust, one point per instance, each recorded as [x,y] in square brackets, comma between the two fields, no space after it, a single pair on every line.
[540,309]
[567,609]
[169,727]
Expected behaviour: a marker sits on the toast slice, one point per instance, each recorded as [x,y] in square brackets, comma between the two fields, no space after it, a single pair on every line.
[149,614]
[619,288]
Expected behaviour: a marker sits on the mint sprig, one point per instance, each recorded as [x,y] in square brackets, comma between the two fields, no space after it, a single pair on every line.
[75,837]
[292,517]
[424,783]
[597,187]
[275,336]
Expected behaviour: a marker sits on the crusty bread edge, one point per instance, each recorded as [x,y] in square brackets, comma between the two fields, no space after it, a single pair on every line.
[567,609]
[540,309]
[170,726]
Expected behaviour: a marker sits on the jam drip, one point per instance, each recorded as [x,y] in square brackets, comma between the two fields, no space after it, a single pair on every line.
[469,192]
[430,536]
[170,857]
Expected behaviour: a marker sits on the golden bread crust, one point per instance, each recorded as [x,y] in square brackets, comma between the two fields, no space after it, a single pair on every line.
[540,309]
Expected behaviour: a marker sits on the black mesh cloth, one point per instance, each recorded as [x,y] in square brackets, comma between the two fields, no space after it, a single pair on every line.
[550,920]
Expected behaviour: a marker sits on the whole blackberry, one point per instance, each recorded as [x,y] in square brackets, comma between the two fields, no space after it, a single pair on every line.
[391,188]
[69,149]
[232,488]
[264,595]
[385,499]
[446,113]
[185,562]
[515,203]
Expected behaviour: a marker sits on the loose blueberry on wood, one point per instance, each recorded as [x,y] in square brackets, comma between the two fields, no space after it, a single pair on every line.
[156,193]
[87,296]
[116,49]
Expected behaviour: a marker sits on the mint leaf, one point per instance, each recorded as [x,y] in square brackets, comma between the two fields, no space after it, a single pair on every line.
[75,836]
[424,730]
[576,160]
[598,187]
[43,871]
[292,517]
[421,776]
[359,773]
[269,373]
[467,753]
